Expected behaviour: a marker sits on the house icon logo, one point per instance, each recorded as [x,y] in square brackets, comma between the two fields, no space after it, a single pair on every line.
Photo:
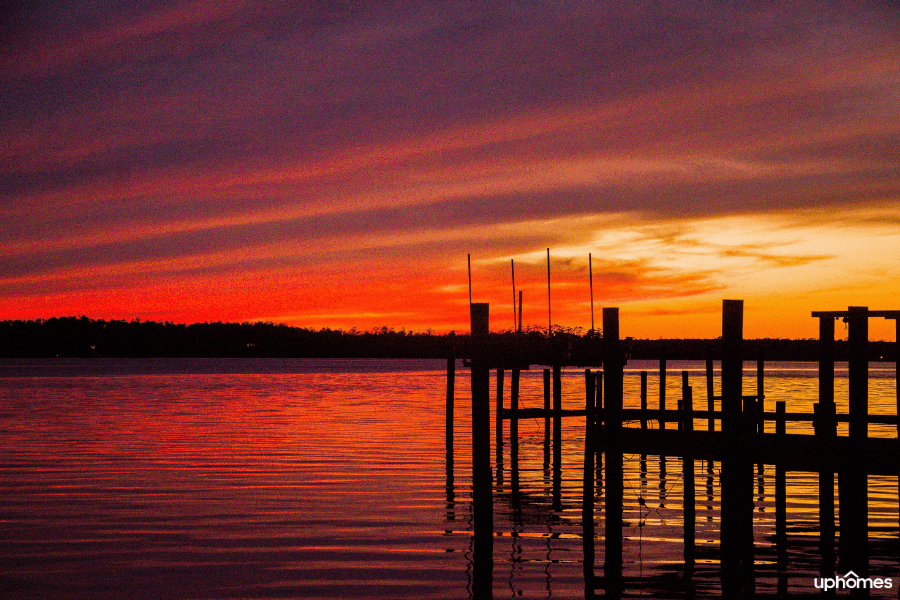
[852,581]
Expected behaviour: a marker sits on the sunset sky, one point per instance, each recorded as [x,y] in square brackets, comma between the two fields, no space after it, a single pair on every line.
[332,164]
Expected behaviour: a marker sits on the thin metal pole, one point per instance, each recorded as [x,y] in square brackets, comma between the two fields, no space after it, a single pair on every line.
[549,317]
[469,257]
[512,264]
[519,330]
[591,277]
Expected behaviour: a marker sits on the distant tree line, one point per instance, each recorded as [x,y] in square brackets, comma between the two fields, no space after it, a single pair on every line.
[84,337]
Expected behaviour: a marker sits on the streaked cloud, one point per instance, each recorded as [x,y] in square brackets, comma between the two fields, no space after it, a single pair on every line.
[196,150]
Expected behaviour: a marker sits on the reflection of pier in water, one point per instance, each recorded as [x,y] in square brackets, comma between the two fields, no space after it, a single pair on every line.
[698,458]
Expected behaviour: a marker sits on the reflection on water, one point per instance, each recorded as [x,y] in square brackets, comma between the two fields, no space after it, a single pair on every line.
[329,479]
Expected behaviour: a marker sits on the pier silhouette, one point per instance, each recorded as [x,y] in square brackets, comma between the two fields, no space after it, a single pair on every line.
[726,439]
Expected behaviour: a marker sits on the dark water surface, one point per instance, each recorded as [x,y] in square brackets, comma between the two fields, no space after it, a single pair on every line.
[328,479]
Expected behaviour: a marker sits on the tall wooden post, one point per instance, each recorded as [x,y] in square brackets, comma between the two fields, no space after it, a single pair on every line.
[781,501]
[736,560]
[759,410]
[514,419]
[643,399]
[687,472]
[710,395]
[897,386]
[897,370]
[482,498]
[451,385]
[662,393]
[587,490]
[547,418]
[599,428]
[557,438]
[858,370]
[780,482]
[826,428]
[760,395]
[853,481]
[613,364]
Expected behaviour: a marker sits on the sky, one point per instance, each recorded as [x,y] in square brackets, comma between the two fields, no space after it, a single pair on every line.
[340,164]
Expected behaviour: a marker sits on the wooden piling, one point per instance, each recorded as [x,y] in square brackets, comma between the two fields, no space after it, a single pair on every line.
[897,370]
[587,490]
[780,488]
[451,384]
[599,426]
[897,387]
[643,399]
[858,370]
[557,416]
[689,484]
[826,359]
[662,393]
[482,498]
[736,558]
[759,411]
[613,364]
[760,395]
[826,427]
[449,486]
[853,481]
[514,419]
[546,418]
[557,438]
[781,504]
[710,395]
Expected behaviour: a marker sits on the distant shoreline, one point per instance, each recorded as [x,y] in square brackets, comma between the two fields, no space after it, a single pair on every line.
[73,337]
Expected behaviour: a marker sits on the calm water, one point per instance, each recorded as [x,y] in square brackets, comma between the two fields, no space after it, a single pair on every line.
[328,479]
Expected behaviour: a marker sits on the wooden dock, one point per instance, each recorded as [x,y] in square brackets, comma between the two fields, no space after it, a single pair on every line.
[735,435]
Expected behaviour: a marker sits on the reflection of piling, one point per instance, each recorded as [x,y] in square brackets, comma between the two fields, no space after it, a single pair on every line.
[613,363]
[482,500]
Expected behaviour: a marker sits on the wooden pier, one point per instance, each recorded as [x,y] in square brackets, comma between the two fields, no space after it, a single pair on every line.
[735,435]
